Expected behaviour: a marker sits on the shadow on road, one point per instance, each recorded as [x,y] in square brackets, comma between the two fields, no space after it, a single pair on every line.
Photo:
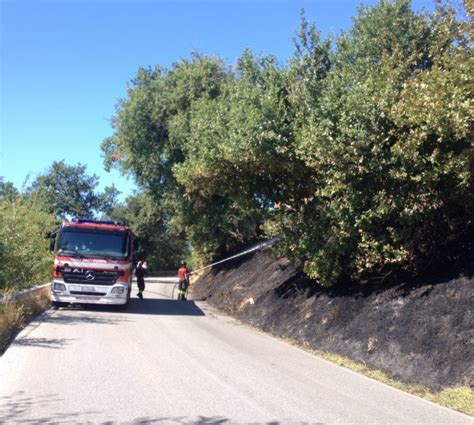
[201,420]
[184,420]
[166,307]
[154,306]
[54,343]
[18,408]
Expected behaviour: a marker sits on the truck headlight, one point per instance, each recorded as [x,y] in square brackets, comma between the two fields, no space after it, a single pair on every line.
[117,290]
[60,287]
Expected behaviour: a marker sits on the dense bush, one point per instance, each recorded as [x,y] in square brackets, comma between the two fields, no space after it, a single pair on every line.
[389,141]
[24,250]
[359,153]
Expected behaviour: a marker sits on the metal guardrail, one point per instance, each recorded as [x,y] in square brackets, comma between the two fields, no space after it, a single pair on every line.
[18,296]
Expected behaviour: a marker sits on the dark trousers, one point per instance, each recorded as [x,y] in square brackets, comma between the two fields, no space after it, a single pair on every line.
[182,288]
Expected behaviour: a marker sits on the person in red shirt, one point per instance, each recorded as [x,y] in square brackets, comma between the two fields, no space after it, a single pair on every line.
[183,281]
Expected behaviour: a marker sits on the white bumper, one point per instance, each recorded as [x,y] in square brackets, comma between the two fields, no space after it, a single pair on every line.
[89,294]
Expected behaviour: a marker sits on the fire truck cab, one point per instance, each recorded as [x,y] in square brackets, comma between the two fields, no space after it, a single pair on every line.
[93,263]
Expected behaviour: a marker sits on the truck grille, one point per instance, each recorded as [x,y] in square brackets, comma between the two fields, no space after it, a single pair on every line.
[91,277]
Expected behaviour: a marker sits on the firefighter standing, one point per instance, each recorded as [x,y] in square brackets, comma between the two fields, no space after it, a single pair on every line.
[140,273]
[183,281]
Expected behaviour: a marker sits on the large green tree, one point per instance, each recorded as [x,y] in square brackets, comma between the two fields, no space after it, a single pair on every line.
[161,245]
[358,152]
[68,191]
[152,138]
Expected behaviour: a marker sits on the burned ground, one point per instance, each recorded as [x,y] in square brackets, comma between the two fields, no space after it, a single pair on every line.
[415,330]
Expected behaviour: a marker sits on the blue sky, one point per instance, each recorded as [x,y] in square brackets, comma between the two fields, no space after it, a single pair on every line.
[65,63]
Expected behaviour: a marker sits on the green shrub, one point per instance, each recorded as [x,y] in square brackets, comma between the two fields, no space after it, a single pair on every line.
[24,248]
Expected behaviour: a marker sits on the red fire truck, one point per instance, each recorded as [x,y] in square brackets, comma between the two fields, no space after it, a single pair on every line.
[93,263]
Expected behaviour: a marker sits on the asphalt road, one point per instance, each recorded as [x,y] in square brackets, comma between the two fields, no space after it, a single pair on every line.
[165,361]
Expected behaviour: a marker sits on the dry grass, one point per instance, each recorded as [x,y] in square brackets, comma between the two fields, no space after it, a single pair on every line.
[196,276]
[14,315]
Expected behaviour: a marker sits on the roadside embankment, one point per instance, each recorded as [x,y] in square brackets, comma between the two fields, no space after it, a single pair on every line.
[419,332]
[17,309]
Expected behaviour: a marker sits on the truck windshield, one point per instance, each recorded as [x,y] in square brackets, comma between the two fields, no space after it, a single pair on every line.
[93,243]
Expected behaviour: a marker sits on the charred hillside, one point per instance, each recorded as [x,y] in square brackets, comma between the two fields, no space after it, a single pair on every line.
[418,331]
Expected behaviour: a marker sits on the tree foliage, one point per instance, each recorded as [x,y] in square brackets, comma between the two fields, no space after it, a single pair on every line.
[154,135]
[24,249]
[358,151]
[159,243]
[390,143]
[67,191]
[8,191]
